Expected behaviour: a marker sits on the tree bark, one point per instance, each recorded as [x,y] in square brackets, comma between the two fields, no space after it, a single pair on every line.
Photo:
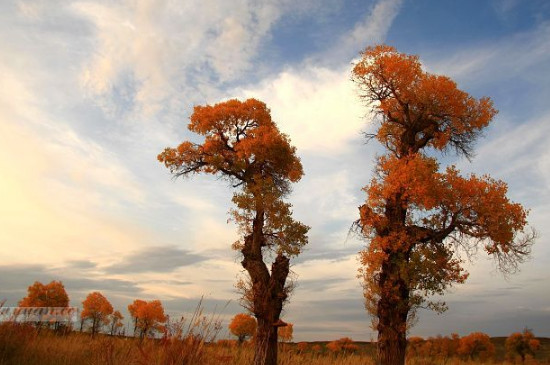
[265,347]
[268,292]
[393,309]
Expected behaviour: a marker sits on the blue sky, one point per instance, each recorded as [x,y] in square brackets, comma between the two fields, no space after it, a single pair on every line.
[92,91]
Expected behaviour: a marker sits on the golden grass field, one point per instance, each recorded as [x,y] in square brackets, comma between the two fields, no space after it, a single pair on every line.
[26,345]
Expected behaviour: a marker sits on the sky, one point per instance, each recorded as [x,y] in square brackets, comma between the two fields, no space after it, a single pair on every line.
[92,91]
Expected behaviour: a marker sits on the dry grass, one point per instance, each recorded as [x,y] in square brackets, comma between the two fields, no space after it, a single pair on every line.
[189,343]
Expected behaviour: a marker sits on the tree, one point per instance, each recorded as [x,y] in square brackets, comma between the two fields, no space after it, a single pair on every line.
[302,347]
[521,344]
[243,145]
[242,326]
[49,295]
[97,309]
[133,310]
[116,322]
[286,332]
[476,345]
[417,219]
[148,317]
[345,344]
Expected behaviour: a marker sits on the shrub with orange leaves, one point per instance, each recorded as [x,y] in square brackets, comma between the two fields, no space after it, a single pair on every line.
[476,346]
[302,346]
[286,333]
[521,344]
[317,348]
[345,344]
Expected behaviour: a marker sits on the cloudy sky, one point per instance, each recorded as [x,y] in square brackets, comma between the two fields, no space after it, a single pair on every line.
[92,91]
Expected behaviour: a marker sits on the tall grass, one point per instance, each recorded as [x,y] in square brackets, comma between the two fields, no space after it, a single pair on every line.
[186,341]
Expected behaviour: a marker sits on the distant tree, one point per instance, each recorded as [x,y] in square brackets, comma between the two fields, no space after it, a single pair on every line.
[522,345]
[414,346]
[243,145]
[286,332]
[316,348]
[49,295]
[150,318]
[345,344]
[302,346]
[476,346]
[417,219]
[116,322]
[133,310]
[52,294]
[242,326]
[97,309]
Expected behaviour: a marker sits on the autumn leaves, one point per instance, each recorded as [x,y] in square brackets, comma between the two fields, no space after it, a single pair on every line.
[244,146]
[416,218]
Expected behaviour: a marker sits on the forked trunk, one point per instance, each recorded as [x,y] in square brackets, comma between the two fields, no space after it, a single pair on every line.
[268,289]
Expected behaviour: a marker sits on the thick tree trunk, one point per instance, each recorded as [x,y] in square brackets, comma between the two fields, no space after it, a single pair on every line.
[268,291]
[393,309]
[265,350]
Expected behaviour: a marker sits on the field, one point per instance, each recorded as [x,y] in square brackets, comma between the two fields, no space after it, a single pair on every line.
[25,345]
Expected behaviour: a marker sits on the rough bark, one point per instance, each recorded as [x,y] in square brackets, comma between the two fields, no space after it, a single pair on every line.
[392,317]
[268,292]
[393,306]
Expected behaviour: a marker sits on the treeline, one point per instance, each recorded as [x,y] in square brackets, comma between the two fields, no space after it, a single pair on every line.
[476,346]
[97,314]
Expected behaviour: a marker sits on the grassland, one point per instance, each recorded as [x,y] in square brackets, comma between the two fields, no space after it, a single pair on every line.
[26,345]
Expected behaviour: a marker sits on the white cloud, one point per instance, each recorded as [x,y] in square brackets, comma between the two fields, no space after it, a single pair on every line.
[60,192]
[372,29]
[317,107]
[161,50]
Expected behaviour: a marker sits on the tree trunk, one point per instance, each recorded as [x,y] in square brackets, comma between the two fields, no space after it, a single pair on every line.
[393,309]
[268,291]
[94,326]
[265,347]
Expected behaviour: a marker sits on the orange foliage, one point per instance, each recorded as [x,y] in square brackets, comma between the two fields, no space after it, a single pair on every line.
[418,109]
[285,333]
[116,322]
[439,347]
[477,346]
[416,217]
[243,145]
[302,346]
[97,309]
[49,295]
[521,344]
[148,316]
[345,344]
[316,348]
[243,326]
